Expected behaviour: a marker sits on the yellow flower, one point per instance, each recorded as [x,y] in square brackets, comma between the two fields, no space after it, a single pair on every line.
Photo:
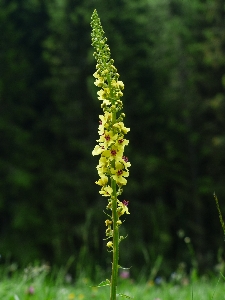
[123,207]
[108,222]
[101,95]
[102,167]
[109,232]
[104,122]
[102,170]
[117,84]
[120,84]
[115,153]
[107,138]
[120,180]
[106,191]
[119,174]
[98,150]
[99,80]
[121,127]
[125,162]
[121,142]
[71,296]
[96,75]
[102,162]
[104,94]
[102,181]
[109,244]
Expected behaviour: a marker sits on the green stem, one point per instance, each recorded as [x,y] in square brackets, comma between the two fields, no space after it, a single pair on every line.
[115,244]
[115,234]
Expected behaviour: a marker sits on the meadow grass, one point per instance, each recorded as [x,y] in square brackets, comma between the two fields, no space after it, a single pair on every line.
[38,283]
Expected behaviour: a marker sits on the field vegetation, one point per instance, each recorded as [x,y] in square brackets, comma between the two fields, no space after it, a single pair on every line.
[40,282]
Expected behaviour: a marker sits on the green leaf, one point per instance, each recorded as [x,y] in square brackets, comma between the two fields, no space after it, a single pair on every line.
[125,296]
[120,267]
[103,283]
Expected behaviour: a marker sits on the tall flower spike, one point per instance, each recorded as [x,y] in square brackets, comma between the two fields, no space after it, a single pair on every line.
[111,127]
[113,164]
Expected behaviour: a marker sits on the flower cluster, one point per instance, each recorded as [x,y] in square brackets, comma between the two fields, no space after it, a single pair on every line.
[113,164]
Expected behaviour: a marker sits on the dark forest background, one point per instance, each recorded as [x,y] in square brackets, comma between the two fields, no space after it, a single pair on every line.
[171,57]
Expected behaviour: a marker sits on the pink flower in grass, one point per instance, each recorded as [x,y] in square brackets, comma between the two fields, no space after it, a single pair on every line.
[30,290]
[124,274]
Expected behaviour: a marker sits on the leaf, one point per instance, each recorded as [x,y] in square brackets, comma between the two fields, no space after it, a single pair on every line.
[103,283]
[125,296]
[120,267]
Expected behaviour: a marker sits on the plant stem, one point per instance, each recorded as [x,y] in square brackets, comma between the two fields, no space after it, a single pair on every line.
[114,276]
[115,244]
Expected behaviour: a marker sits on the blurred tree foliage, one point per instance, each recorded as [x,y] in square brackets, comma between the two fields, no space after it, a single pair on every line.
[171,57]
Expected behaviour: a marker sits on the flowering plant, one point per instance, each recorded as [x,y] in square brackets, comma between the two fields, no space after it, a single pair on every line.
[113,164]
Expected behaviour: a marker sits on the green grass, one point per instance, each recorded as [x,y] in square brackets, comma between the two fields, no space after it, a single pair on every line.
[37,283]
